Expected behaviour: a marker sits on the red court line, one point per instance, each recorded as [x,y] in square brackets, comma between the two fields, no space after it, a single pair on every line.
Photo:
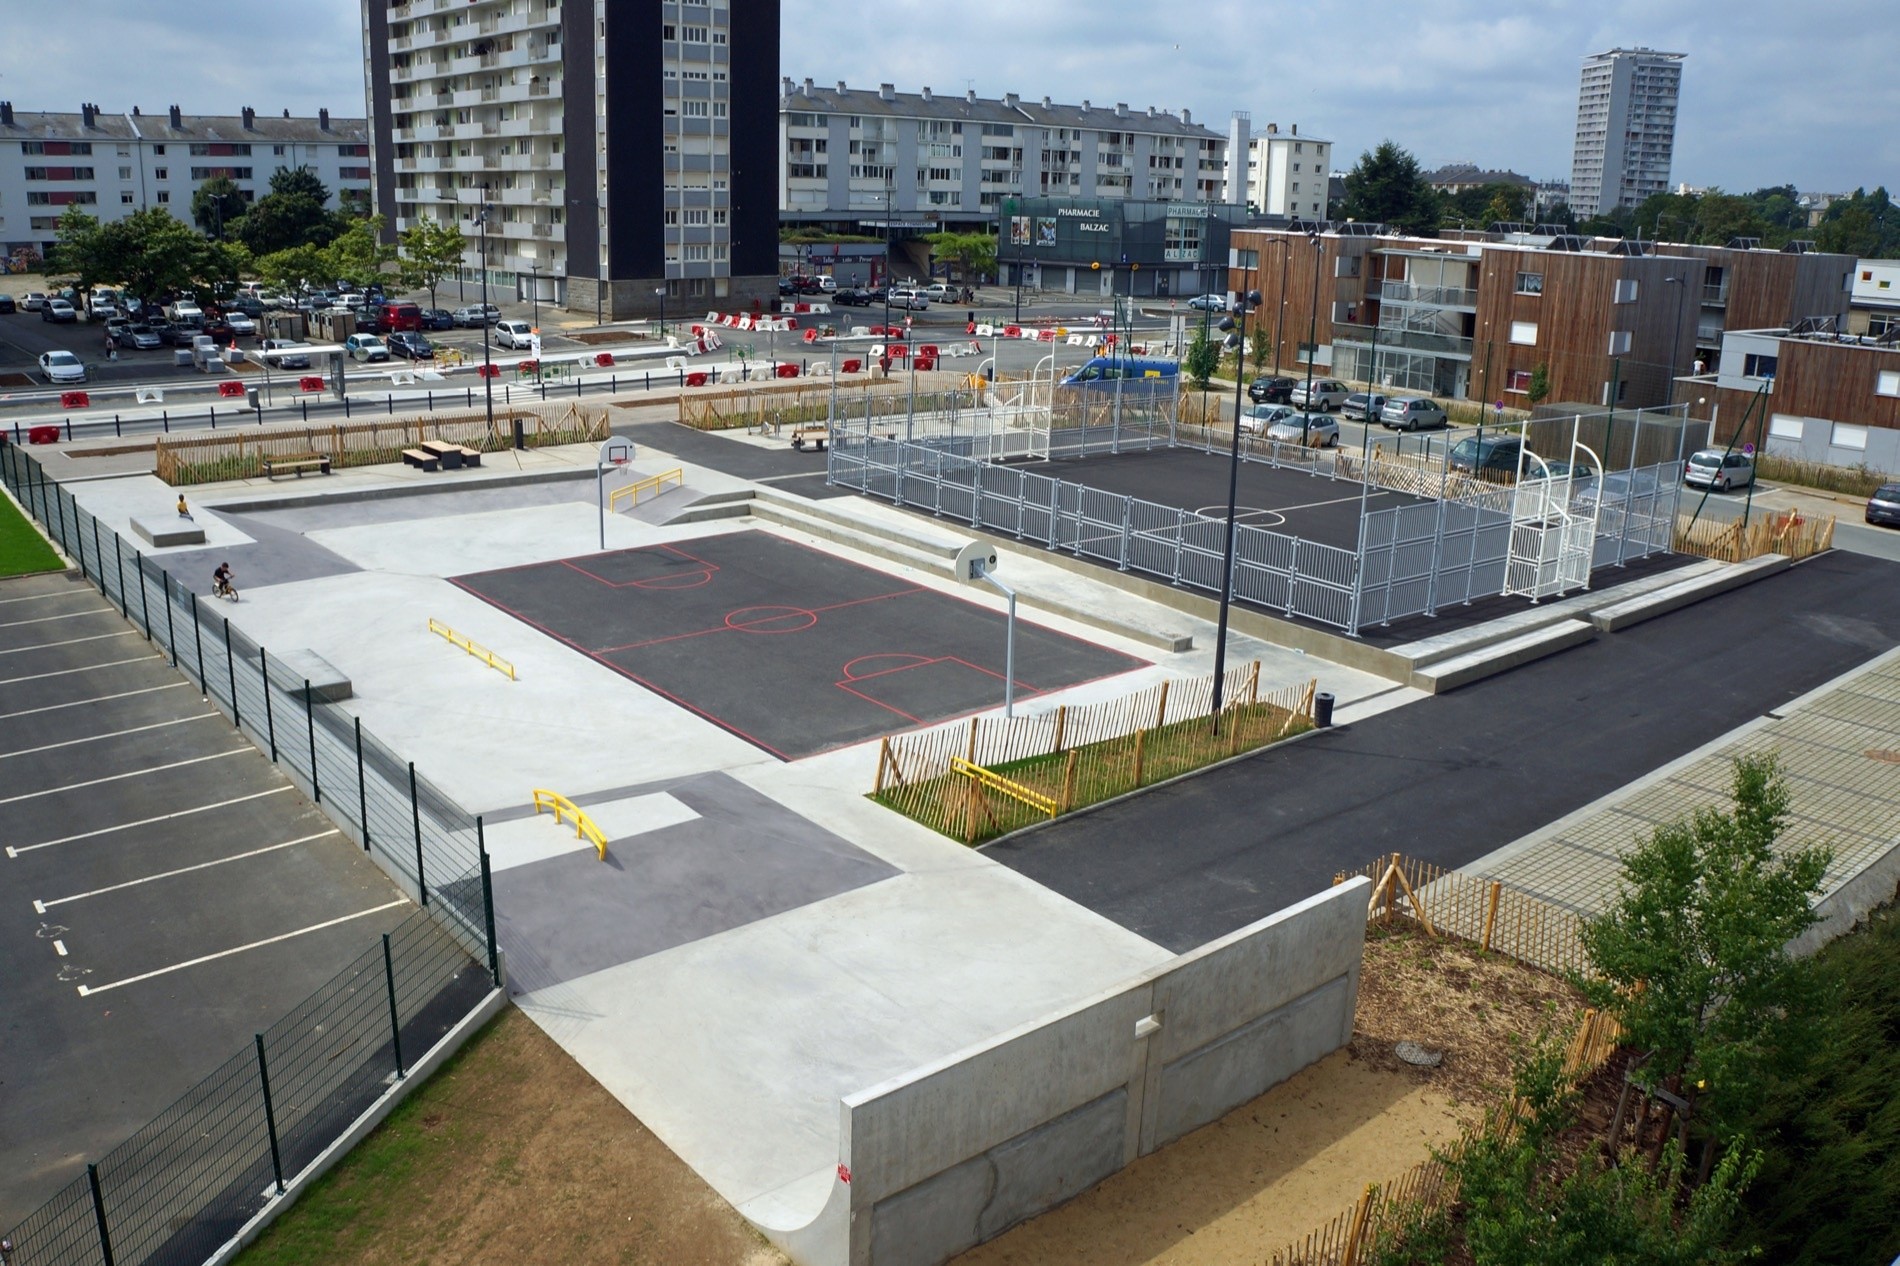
[726,628]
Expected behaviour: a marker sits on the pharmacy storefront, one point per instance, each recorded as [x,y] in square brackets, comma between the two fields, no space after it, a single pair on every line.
[1098,247]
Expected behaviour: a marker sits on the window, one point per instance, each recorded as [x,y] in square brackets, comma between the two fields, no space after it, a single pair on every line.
[1625,292]
[160,173]
[62,198]
[1846,435]
[1520,381]
[164,195]
[1784,427]
[59,173]
[1524,333]
[1887,383]
[158,149]
[1619,343]
[125,173]
[125,198]
[693,34]
[277,151]
[1757,366]
[1530,283]
[50,148]
[220,151]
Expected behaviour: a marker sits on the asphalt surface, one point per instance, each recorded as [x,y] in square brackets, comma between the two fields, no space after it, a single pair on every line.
[148,853]
[1452,778]
[791,649]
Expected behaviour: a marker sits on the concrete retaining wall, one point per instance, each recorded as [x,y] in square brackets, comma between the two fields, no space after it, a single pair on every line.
[956,1152]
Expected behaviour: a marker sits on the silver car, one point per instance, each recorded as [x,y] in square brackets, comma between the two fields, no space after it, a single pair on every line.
[1413,414]
[1714,468]
[1326,394]
[1257,419]
[1314,430]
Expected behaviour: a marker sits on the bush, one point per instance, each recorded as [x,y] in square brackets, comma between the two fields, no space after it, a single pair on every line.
[1860,481]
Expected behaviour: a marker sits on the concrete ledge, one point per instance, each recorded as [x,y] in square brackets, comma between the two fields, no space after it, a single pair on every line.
[1503,656]
[291,669]
[484,477]
[164,533]
[1634,611]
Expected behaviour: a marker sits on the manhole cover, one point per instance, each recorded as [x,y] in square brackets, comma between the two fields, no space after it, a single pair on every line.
[1413,1053]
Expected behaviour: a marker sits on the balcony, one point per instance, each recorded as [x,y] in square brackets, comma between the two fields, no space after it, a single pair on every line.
[1715,294]
[1436,296]
[445,129]
[1406,340]
[544,230]
[539,89]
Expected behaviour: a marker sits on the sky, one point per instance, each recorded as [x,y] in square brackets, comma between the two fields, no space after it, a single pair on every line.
[1773,93]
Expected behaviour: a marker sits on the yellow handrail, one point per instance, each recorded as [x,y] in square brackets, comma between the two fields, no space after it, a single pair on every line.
[584,828]
[476,649]
[632,491]
[996,782]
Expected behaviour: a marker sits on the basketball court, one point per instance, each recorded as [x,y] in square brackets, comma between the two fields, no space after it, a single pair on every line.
[790,648]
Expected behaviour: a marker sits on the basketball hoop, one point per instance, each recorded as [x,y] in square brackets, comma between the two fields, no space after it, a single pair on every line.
[615,451]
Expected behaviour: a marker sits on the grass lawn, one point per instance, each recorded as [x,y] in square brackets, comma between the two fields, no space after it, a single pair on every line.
[23,550]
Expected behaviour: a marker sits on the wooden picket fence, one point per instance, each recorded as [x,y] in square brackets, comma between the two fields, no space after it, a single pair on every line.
[215,456]
[1047,764]
[1383,1210]
[1796,535]
[1483,911]
[800,401]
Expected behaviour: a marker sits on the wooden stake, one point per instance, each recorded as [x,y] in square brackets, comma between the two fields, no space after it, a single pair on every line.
[970,755]
[1361,1214]
[1062,725]
[1491,914]
[1418,906]
[1253,687]
[1068,784]
[883,755]
[1161,709]
[1141,742]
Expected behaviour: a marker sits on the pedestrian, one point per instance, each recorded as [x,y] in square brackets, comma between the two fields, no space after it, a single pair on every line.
[184,511]
[884,365]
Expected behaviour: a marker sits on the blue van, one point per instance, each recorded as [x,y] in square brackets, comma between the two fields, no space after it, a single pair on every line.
[1108,370]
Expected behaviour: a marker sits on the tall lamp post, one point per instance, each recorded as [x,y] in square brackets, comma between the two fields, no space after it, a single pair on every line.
[534,293]
[659,292]
[488,366]
[1682,289]
[1243,304]
[1312,340]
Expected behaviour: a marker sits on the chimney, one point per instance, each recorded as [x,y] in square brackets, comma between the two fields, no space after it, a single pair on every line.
[970,96]
[841,87]
[1121,109]
[887,92]
[250,119]
[1151,112]
[87,113]
[1187,116]
[808,87]
[286,112]
[785,85]
[6,114]
[323,119]
[926,92]
[178,119]
[1011,100]
[135,112]
[1273,129]
[1296,129]
[1048,104]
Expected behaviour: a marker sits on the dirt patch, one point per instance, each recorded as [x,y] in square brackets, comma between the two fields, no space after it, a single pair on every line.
[1276,1168]
[17,380]
[512,1153]
[595,338]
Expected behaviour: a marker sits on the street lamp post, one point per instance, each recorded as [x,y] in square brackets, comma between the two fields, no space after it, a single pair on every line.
[488,366]
[1244,303]
[659,292]
[534,293]
[1675,343]
[1312,341]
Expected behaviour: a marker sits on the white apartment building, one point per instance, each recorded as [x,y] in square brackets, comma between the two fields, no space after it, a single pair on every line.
[1626,128]
[1287,174]
[858,155]
[621,148]
[115,164]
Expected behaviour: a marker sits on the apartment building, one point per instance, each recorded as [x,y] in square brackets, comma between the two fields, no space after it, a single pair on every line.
[1474,318]
[1805,392]
[1287,174]
[114,164]
[597,153]
[853,157]
[1626,128]
[1875,297]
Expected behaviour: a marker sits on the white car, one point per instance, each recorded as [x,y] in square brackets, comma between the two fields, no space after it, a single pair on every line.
[292,354]
[62,367]
[1314,430]
[366,347]
[32,301]
[517,334]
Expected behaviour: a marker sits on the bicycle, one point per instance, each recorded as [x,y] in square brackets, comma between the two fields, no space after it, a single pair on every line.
[223,588]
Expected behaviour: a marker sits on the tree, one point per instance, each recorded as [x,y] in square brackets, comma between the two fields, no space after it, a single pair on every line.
[149,252]
[218,207]
[298,182]
[358,255]
[1692,956]
[293,213]
[288,270]
[1387,187]
[431,250]
[1260,348]
[78,250]
[218,268]
[1202,359]
[1863,224]
[974,254]
[1538,389]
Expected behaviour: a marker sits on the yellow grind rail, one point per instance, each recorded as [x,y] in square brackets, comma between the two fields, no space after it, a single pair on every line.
[584,828]
[476,649]
[632,491]
[1003,786]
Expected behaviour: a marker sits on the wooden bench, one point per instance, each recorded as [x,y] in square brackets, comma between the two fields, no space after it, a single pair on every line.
[452,456]
[423,461]
[816,436]
[298,462]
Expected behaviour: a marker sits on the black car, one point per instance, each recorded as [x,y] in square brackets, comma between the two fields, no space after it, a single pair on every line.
[249,307]
[181,335]
[1883,508]
[1270,390]
[1492,455]
[438,319]
[7,305]
[852,297]
[409,344]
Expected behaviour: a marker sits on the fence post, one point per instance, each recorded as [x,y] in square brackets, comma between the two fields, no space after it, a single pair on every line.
[145,608]
[99,1212]
[883,758]
[415,816]
[198,636]
[1490,914]
[488,905]
[1361,1214]
[270,713]
[362,791]
[171,626]
[1068,782]
[270,1115]
[310,729]
[230,668]
[1161,708]
[1062,723]
[1141,752]
[395,1021]
[118,562]
[970,755]
[99,557]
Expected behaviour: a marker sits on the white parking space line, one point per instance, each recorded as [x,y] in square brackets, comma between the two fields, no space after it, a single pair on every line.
[48,619]
[137,729]
[42,597]
[16,850]
[136,773]
[86,991]
[71,641]
[41,907]
[60,948]
[83,703]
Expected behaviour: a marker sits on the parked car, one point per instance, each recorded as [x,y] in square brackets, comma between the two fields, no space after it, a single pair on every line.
[411,345]
[289,359]
[366,347]
[116,328]
[1883,508]
[142,337]
[1208,303]
[438,319]
[181,335]
[1717,469]
[241,324]
[1497,454]
[249,306]
[1362,405]
[1315,430]
[1414,414]
[62,367]
[221,331]
[1325,394]
[852,297]
[514,334]
[59,311]
[7,305]
[1613,493]
[1255,419]
[475,316]
[828,284]
[908,299]
[32,301]
[1270,390]
[942,292]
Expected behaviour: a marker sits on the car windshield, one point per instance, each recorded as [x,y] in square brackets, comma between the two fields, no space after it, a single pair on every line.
[1887,492]
[61,358]
[1705,459]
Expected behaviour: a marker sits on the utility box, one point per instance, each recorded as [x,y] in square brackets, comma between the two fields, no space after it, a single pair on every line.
[290,326]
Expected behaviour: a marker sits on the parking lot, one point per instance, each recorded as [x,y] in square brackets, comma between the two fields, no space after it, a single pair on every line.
[165,892]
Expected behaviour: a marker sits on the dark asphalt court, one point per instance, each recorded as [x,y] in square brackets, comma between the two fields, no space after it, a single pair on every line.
[1454,777]
[746,461]
[790,648]
[150,856]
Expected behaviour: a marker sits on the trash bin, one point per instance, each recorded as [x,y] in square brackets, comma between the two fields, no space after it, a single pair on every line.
[251,399]
[1323,709]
